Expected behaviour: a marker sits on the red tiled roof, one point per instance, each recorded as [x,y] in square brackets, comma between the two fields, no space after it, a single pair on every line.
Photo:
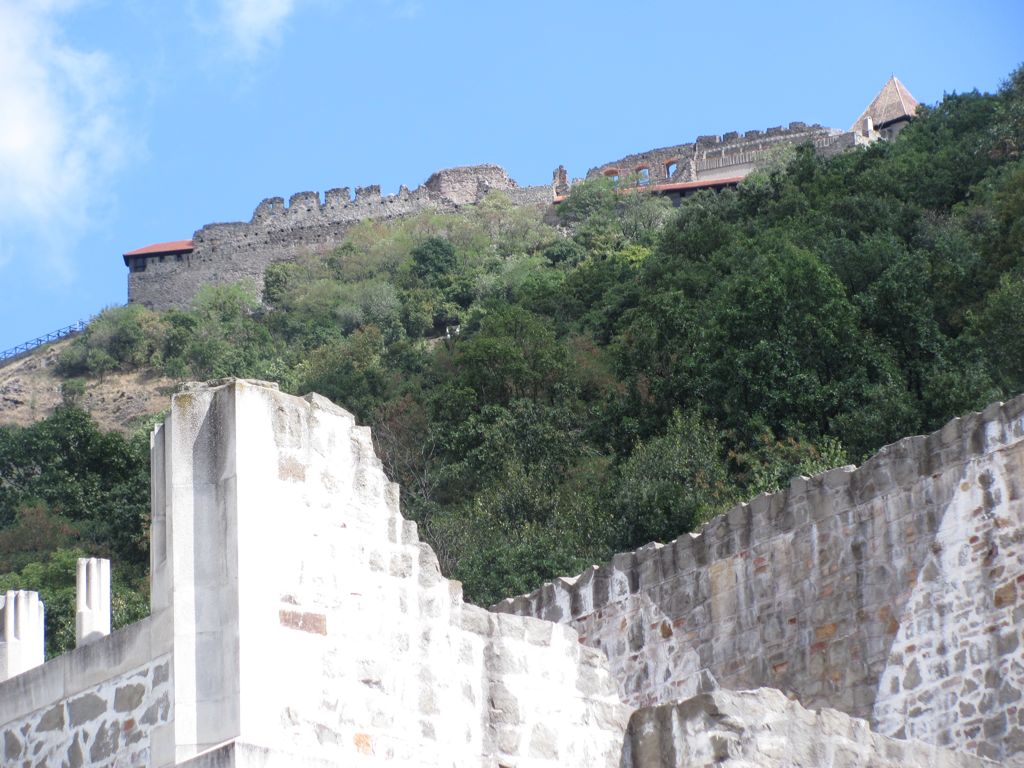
[174,246]
[161,249]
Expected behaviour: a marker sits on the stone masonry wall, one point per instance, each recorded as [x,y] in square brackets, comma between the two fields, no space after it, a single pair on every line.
[105,704]
[720,157]
[892,592]
[110,725]
[310,622]
[241,252]
[762,728]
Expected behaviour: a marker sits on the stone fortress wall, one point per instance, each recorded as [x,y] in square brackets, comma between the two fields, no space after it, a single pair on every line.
[892,592]
[241,251]
[297,620]
[727,157]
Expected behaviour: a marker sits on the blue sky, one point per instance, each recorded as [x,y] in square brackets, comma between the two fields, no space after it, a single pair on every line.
[134,122]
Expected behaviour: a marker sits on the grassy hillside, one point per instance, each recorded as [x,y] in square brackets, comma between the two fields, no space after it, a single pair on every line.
[550,391]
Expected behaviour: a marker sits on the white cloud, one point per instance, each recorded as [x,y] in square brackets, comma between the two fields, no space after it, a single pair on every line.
[59,139]
[251,25]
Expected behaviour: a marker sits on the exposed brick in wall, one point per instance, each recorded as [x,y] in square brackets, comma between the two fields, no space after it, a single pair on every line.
[893,592]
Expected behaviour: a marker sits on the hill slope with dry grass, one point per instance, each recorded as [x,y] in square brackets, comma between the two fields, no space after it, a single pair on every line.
[30,389]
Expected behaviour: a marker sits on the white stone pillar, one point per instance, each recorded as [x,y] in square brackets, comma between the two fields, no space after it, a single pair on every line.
[237,506]
[92,617]
[22,644]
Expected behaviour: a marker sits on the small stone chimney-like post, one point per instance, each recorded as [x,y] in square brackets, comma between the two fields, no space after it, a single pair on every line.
[22,645]
[92,619]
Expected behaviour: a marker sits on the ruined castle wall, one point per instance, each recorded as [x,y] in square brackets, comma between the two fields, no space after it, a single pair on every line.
[716,157]
[105,703]
[893,592]
[539,196]
[740,729]
[333,635]
[298,620]
[242,251]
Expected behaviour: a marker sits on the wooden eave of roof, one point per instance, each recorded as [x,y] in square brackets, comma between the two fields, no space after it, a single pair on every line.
[170,248]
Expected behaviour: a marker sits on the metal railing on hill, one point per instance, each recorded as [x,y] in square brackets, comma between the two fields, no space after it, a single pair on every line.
[28,346]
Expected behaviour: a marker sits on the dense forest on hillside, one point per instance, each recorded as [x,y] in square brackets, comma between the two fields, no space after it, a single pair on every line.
[551,388]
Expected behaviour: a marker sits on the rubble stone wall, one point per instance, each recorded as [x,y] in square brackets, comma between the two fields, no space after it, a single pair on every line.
[104,704]
[240,252]
[892,592]
[740,729]
[111,724]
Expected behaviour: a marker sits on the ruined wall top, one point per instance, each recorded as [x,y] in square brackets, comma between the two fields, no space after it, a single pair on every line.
[295,612]
[893,591]
[707,155]
[448,188]
[310,222]
[469,184]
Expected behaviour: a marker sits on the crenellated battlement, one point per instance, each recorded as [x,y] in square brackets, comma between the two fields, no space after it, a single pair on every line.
[889,591]
[315,222]
[337,204]
[711,158]
[308,223]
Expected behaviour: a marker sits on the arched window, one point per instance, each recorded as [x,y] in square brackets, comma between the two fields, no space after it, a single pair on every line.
[613,174]
[643,175]
[670,168]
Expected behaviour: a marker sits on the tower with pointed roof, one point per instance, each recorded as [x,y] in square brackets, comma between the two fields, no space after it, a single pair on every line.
[888,113]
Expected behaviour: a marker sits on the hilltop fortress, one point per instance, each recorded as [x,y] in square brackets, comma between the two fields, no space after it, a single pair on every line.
[168,275]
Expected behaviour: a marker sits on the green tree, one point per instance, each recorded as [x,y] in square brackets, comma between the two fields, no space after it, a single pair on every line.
[998,329]
[514,355]
[433,260]
[672,483]
[54,578]
[96,482]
